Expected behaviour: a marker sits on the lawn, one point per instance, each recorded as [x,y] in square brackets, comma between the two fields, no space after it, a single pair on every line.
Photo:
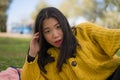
[12,52]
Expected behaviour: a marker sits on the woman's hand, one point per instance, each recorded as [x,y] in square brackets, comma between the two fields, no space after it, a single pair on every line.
[34,45]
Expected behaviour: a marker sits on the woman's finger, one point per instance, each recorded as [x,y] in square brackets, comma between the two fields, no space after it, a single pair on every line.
[36,35]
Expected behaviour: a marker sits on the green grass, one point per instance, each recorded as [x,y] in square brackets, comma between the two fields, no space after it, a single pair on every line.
[118,53]
[12,52]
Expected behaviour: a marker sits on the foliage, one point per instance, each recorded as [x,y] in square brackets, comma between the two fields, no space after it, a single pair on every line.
[40,5]
[103,12]
[4,4]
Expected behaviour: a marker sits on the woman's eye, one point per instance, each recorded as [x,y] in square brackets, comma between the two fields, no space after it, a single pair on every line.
[58,26]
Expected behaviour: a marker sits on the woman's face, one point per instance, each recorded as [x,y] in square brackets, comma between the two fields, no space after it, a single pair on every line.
[52,32]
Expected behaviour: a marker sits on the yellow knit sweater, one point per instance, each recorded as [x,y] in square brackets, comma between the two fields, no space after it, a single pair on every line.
[95,60]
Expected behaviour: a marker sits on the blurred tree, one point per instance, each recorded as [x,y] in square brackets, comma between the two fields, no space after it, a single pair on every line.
[89,10]
[104,12]
[4,4]
[70,8]
[112,13]
[40,5]
[75,8]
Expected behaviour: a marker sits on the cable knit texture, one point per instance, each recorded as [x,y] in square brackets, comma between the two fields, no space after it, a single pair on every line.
[95,59]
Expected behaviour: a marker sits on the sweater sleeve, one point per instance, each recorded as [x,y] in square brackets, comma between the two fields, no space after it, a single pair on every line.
[31,71]
[107,39]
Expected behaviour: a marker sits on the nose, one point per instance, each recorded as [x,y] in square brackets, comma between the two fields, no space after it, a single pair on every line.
[55,34]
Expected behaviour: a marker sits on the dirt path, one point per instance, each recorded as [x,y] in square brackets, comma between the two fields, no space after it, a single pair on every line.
[14,35]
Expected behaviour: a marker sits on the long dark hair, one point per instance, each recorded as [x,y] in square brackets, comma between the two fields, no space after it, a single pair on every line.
[69,43]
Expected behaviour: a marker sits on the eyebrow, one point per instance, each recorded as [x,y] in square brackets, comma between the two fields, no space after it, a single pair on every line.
[48,27]
[56,24]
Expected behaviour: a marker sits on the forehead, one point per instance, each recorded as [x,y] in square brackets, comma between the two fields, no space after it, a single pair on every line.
[49,21]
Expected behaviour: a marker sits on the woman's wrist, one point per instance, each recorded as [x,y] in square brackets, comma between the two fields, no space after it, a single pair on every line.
[30,58]
[31,53]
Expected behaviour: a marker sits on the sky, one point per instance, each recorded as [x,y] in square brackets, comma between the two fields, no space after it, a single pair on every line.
[20,9]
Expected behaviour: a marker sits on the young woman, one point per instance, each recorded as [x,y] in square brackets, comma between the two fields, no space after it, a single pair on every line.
[57,52]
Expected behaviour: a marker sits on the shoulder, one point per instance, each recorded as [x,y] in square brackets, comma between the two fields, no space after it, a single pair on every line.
[86,25]
[89,27]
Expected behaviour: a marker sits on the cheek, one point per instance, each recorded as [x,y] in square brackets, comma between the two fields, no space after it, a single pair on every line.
[48,38]
[61,33]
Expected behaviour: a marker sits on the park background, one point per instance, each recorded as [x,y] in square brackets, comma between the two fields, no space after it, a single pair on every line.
[17,22]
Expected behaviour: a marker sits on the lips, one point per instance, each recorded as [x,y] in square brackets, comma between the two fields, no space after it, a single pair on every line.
[58,42]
